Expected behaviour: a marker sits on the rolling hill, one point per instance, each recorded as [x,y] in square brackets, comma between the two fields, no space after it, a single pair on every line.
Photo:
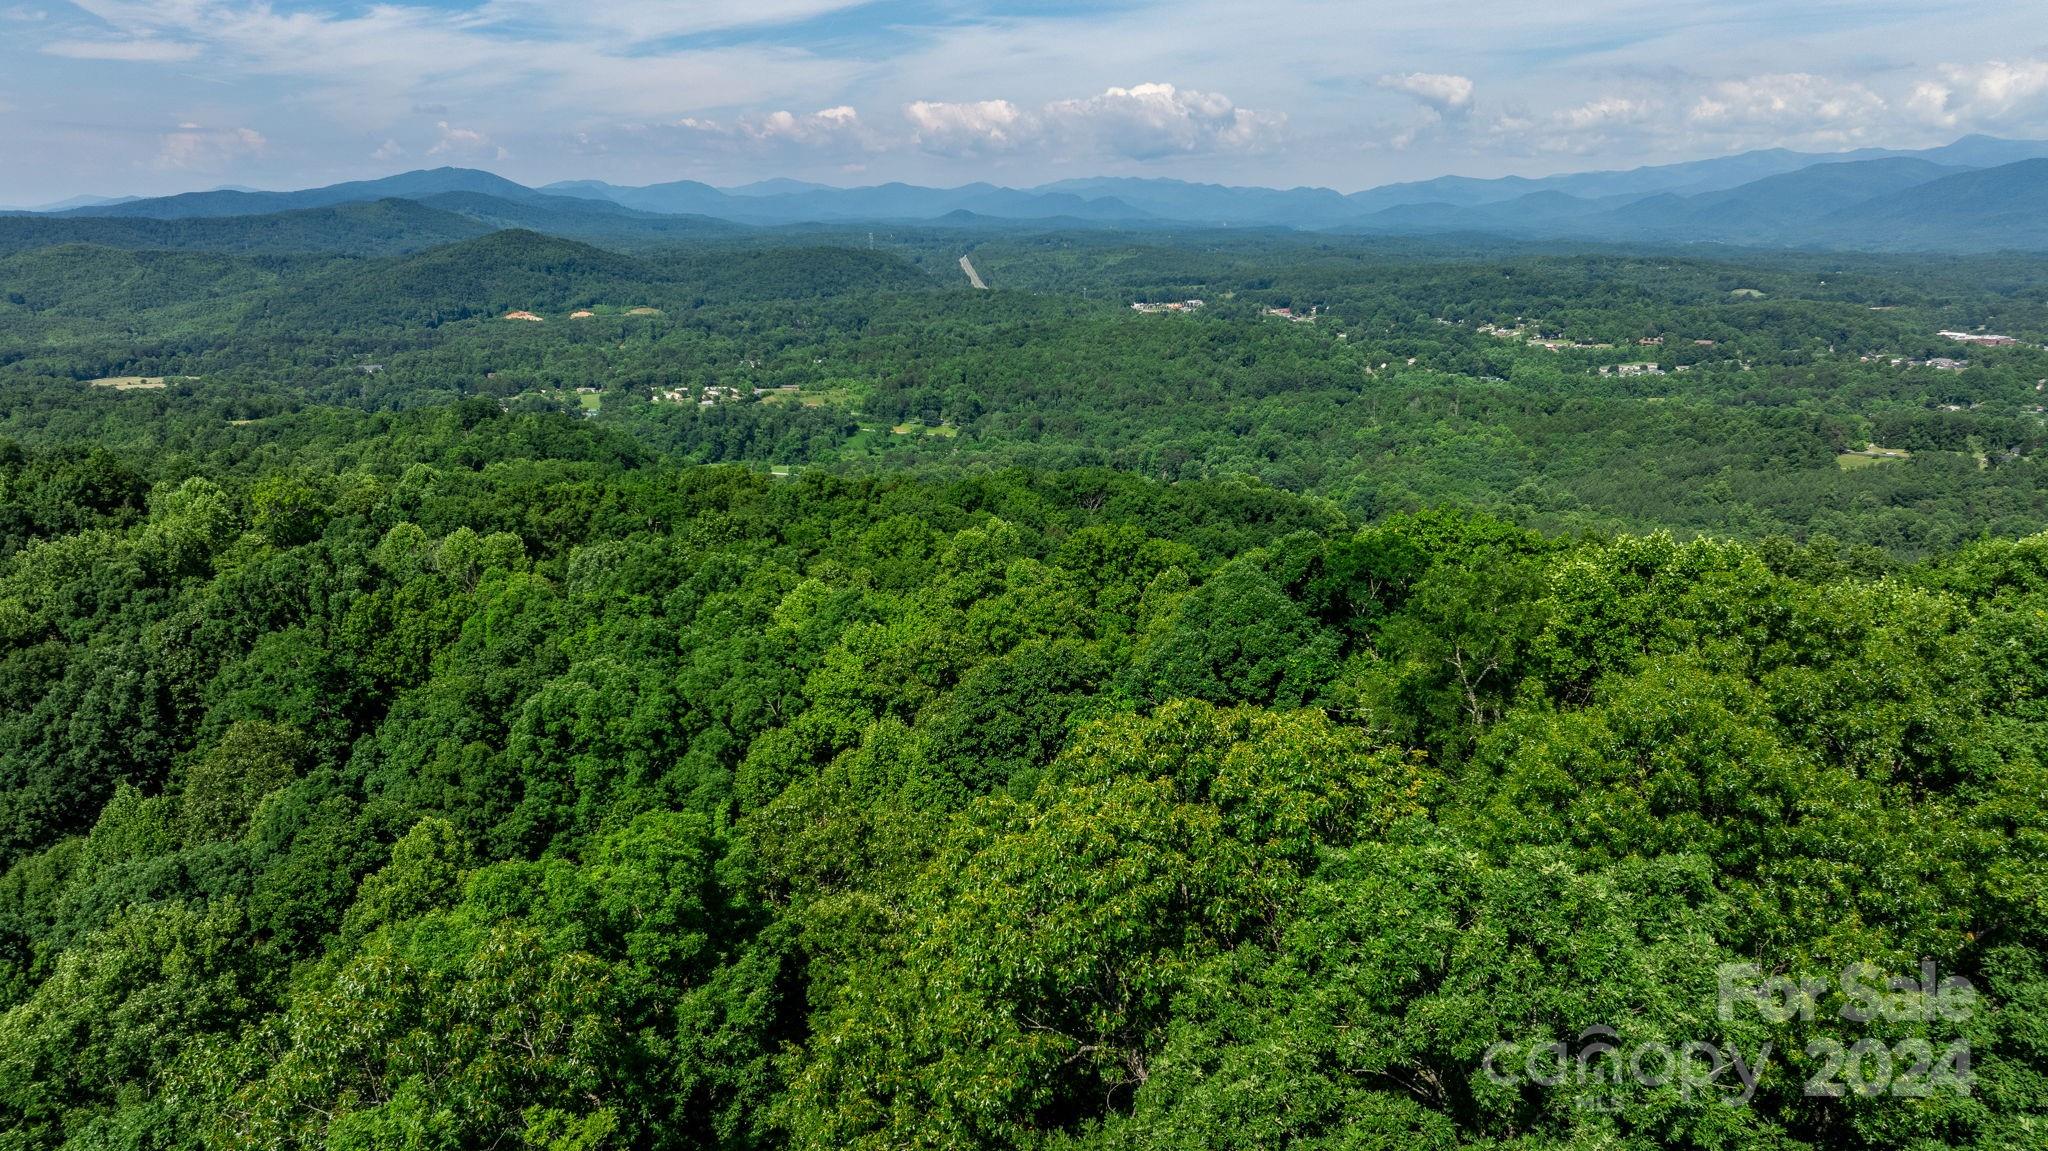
[521,270]
[1775,209]
[1986,210]
[377,228]
[490,275]
[230,202]
[816,204]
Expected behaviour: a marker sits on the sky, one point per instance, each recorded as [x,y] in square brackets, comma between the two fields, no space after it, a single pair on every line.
[133,97]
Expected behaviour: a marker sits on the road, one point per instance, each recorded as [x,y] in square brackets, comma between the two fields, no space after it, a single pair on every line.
[973,277]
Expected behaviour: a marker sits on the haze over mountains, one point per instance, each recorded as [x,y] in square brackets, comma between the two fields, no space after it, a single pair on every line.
[1977,194]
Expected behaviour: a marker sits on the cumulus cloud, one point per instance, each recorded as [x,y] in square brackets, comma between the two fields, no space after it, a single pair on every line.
[1142,122]
[1988,93]
[1150,121]
[1604,112]
[195,147]
[826,134]
[1793,109]
[826,126]
[966,129]
[1794,99]
[1448,94]
[465,143]
[1578,129]
[1444,98]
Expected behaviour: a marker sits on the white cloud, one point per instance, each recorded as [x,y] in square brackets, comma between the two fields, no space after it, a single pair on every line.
[1448,94]
[387,151]
[195,147]
[1604,112]
[967,129]
[1142,122]
[1444,97]
[825,126]
[1798,100]
[1596,125]
[1987,93]
[1150,121]
[464,143]
[829,133]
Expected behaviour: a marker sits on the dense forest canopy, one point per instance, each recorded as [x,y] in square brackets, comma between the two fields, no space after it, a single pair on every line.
[805,702]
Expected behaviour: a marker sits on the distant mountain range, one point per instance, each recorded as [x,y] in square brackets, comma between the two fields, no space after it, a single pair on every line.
[1977,194]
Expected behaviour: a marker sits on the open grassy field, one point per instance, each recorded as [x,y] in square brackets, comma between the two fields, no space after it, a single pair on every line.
[1870,457]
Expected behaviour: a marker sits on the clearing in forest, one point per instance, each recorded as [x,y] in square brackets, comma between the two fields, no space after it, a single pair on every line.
[134,383]
[1869,456]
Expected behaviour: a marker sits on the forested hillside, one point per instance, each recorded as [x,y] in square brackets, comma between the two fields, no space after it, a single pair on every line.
[760,693]
[1613,390]
[477,779]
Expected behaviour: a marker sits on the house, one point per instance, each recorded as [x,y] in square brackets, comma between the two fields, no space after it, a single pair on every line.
[1633,370]
[1981,339]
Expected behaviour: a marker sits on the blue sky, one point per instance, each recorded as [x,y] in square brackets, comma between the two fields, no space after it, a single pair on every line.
[135,96]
